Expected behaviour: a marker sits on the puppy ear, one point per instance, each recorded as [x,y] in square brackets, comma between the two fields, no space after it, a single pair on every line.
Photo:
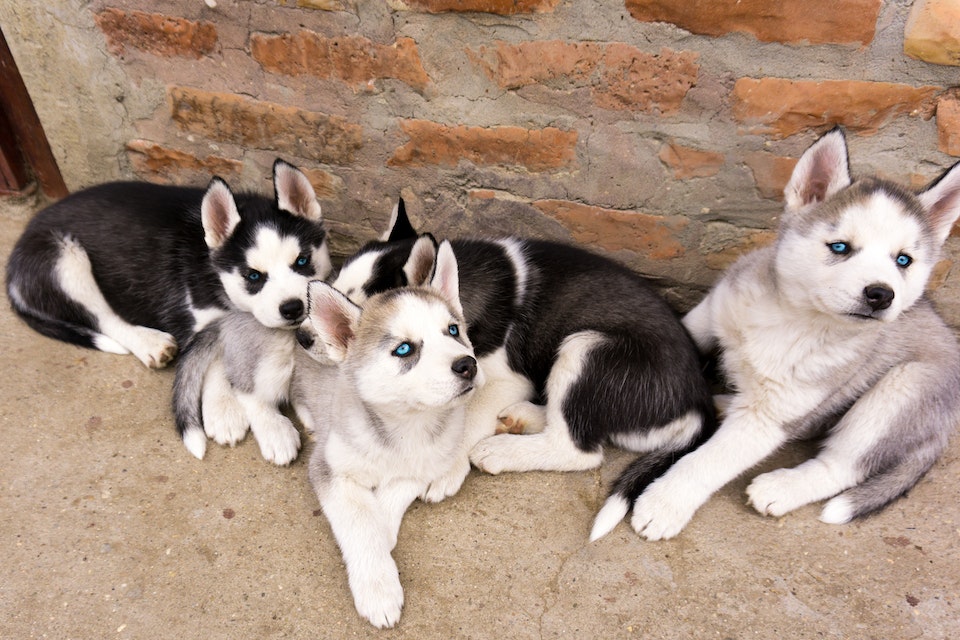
[419,266]
[294,192]
[446,277]
[400,227]
[822,171]
[942,202]
[218,213]
[333,317]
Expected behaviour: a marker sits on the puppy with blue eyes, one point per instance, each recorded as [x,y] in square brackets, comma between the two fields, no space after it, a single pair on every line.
[386,401]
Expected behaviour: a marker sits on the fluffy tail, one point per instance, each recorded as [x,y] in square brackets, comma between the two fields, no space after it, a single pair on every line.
[192,368]
[640,473]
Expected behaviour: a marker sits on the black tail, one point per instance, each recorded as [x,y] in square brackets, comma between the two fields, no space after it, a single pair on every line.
[192,368]
[641,472]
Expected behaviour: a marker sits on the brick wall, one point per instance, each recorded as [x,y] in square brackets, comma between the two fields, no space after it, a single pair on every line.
[658,132]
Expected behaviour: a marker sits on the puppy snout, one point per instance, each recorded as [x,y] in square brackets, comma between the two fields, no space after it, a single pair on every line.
[304,339]
[292,310]
[465,367]
[878,296]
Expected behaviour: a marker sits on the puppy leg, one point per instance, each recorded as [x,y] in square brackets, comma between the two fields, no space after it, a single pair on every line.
[553,449]
[365,539]
[279,440]
[743,440]
[522,417]
[224,419]
[153,348]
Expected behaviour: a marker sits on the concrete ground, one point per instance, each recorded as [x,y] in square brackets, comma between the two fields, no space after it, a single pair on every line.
[112,530]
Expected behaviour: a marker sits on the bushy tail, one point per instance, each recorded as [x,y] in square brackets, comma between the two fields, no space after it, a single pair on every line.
[51,326]
[192,368]
[640,473]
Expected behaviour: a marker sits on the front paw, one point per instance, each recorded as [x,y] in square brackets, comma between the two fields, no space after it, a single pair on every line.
[223,418]
[522,417]
[156,349]
[449,484]
[774,493]
[379,597]
[278,439]
[659,513]
[493,454]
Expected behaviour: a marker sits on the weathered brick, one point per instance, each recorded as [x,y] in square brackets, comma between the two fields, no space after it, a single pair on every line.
[432,143]
[653,237]
[156,33]
[813,21]
[770,173]
[687,162]
[265,125]
[782,108]
[352,59]
[932,33]
[499,7]
[948,123]
[156,163]
[619,76]
[723,244]
[323,5]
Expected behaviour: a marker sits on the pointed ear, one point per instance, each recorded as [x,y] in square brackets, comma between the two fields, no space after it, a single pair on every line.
[822,171]
[446,277]
[942,202]
[218,213]
[294,192]
[419,266]
[400,227]
[333,317]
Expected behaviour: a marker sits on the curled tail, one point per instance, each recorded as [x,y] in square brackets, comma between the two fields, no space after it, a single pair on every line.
[641,472]
[192,368]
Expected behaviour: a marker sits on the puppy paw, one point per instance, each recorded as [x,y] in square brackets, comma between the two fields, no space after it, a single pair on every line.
[156,349]
[278,439]
[379,598]
[659,514]
[223,418]
[774,493]
[522,417]
[493,454]
[449,484]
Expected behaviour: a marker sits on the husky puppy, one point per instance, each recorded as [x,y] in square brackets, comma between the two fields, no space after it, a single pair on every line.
[827,333]
[388,417]
[578,350]
[138,268]
[233,375]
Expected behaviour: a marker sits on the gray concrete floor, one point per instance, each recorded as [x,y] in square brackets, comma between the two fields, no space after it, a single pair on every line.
[112,530]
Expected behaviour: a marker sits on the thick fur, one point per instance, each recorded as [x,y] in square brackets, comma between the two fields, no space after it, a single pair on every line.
[826,334]
[388,416]
[139,268]
[578,350]
[233,375]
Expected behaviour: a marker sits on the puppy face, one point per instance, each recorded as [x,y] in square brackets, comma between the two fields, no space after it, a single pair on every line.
[865,256]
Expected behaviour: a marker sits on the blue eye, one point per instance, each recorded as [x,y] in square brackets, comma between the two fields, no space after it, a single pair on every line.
[903,260]
[403,350]
[839,248]
[303,260]
[453,330]
[254,276]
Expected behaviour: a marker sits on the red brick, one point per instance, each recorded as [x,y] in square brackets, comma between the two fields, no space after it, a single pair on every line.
[746,241]
[770,173]
[653,237]
[352,59]
[813,21]
[500,7]
[687,162]
[619,76]
[157,163]
[156,33]
[437,144]
[782,108]
[932,32]
[948,123]
[265,125]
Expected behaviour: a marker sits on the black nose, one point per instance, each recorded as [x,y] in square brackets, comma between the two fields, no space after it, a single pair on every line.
[292,309]
[465,367]
[304,338]
[878,296]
